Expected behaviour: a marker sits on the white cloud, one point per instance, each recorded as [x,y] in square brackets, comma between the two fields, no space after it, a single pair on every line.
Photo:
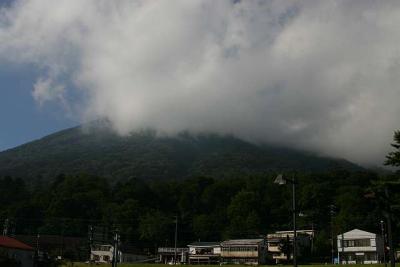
[320,75]
[45,90]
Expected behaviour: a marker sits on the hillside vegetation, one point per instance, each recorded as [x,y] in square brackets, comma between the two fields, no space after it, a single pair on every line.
[228,191]
[145,155]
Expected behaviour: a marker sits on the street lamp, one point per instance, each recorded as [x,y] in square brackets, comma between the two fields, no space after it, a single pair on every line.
[384,243]
[281,180]
[176,239]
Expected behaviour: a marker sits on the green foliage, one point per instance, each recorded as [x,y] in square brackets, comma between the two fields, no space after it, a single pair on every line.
[208,209]
[393,158]
[243,215]
[146,156]
[154,226]
[286,247]
[228,191]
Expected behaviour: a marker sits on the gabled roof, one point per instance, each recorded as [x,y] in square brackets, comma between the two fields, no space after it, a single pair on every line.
[242,242]
[9,242]
[204,244]
[356,233]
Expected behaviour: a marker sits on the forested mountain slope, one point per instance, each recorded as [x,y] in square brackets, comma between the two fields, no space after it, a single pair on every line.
[146,155]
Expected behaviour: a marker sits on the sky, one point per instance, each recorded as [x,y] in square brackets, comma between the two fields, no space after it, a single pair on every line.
[316,75]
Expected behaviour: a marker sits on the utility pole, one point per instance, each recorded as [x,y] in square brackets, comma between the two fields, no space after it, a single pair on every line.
[384,242]
[37,249]
[382,189]
[342,245]
[294,222]
[281,180]
[90,243]
[312,238]
[389,228]
[332,239]
[115,252]
[176,239]
[5,228]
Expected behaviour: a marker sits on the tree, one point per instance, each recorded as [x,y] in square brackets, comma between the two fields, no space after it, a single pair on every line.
[393,158]
[204,227]
[286,247]
[155,226]
[244,219]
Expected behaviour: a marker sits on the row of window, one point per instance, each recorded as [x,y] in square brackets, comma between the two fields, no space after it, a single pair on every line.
[106,258]
[101,248]
[366,256]
[241,261]
[239,248]
[357,243]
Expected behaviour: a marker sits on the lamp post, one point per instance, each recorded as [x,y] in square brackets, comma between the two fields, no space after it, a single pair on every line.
[384,243]
[381,193]
[176,239]
[332,212]
[281,180]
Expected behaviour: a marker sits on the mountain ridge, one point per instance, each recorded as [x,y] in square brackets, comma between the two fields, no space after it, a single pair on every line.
[146,155]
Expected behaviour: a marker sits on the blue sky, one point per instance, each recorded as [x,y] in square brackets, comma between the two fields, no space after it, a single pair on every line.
[21,118]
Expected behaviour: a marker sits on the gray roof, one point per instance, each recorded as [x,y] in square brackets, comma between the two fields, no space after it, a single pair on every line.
[204,244]
[356,234]
[242,242]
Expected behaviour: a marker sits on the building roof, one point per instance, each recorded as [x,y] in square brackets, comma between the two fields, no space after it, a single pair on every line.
[204,244]
[356,234]
[242,242]
[48,242]
[9,242]
[283,234]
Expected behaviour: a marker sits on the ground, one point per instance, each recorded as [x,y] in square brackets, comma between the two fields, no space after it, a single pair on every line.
[164,265]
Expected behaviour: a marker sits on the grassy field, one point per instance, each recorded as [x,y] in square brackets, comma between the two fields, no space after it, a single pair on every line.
[76,264]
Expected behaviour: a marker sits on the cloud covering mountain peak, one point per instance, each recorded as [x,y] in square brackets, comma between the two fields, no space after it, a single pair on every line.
[316,75]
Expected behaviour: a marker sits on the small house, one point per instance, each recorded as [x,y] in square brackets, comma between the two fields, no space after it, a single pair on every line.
[243,251]
[16,251]
[357,246]
[167,255]
[101,253]
[204,253]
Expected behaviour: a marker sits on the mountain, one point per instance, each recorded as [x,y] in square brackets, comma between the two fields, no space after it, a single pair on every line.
[146,155]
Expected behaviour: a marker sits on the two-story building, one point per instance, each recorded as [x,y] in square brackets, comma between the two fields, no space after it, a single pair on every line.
[357,246]
[243,251]
[167,255]
[101,253]
[204,253]
[277,240]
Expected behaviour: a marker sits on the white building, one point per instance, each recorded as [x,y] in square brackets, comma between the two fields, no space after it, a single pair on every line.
[204,253]
[357,246]
[102,253]
[275,240]
[243,251]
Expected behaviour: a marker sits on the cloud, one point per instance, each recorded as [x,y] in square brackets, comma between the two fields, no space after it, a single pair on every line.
[317,75]
[45,90]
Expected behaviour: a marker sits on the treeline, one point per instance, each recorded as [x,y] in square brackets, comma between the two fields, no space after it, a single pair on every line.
[207,209]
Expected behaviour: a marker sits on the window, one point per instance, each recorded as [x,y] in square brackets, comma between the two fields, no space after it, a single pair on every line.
[357,243]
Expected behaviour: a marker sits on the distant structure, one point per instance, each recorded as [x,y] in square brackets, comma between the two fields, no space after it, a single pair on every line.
[101,253]
[204,253]
[14,249]
[357,246]
[244,251]
[277,241]
[57,245]
[167,254]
